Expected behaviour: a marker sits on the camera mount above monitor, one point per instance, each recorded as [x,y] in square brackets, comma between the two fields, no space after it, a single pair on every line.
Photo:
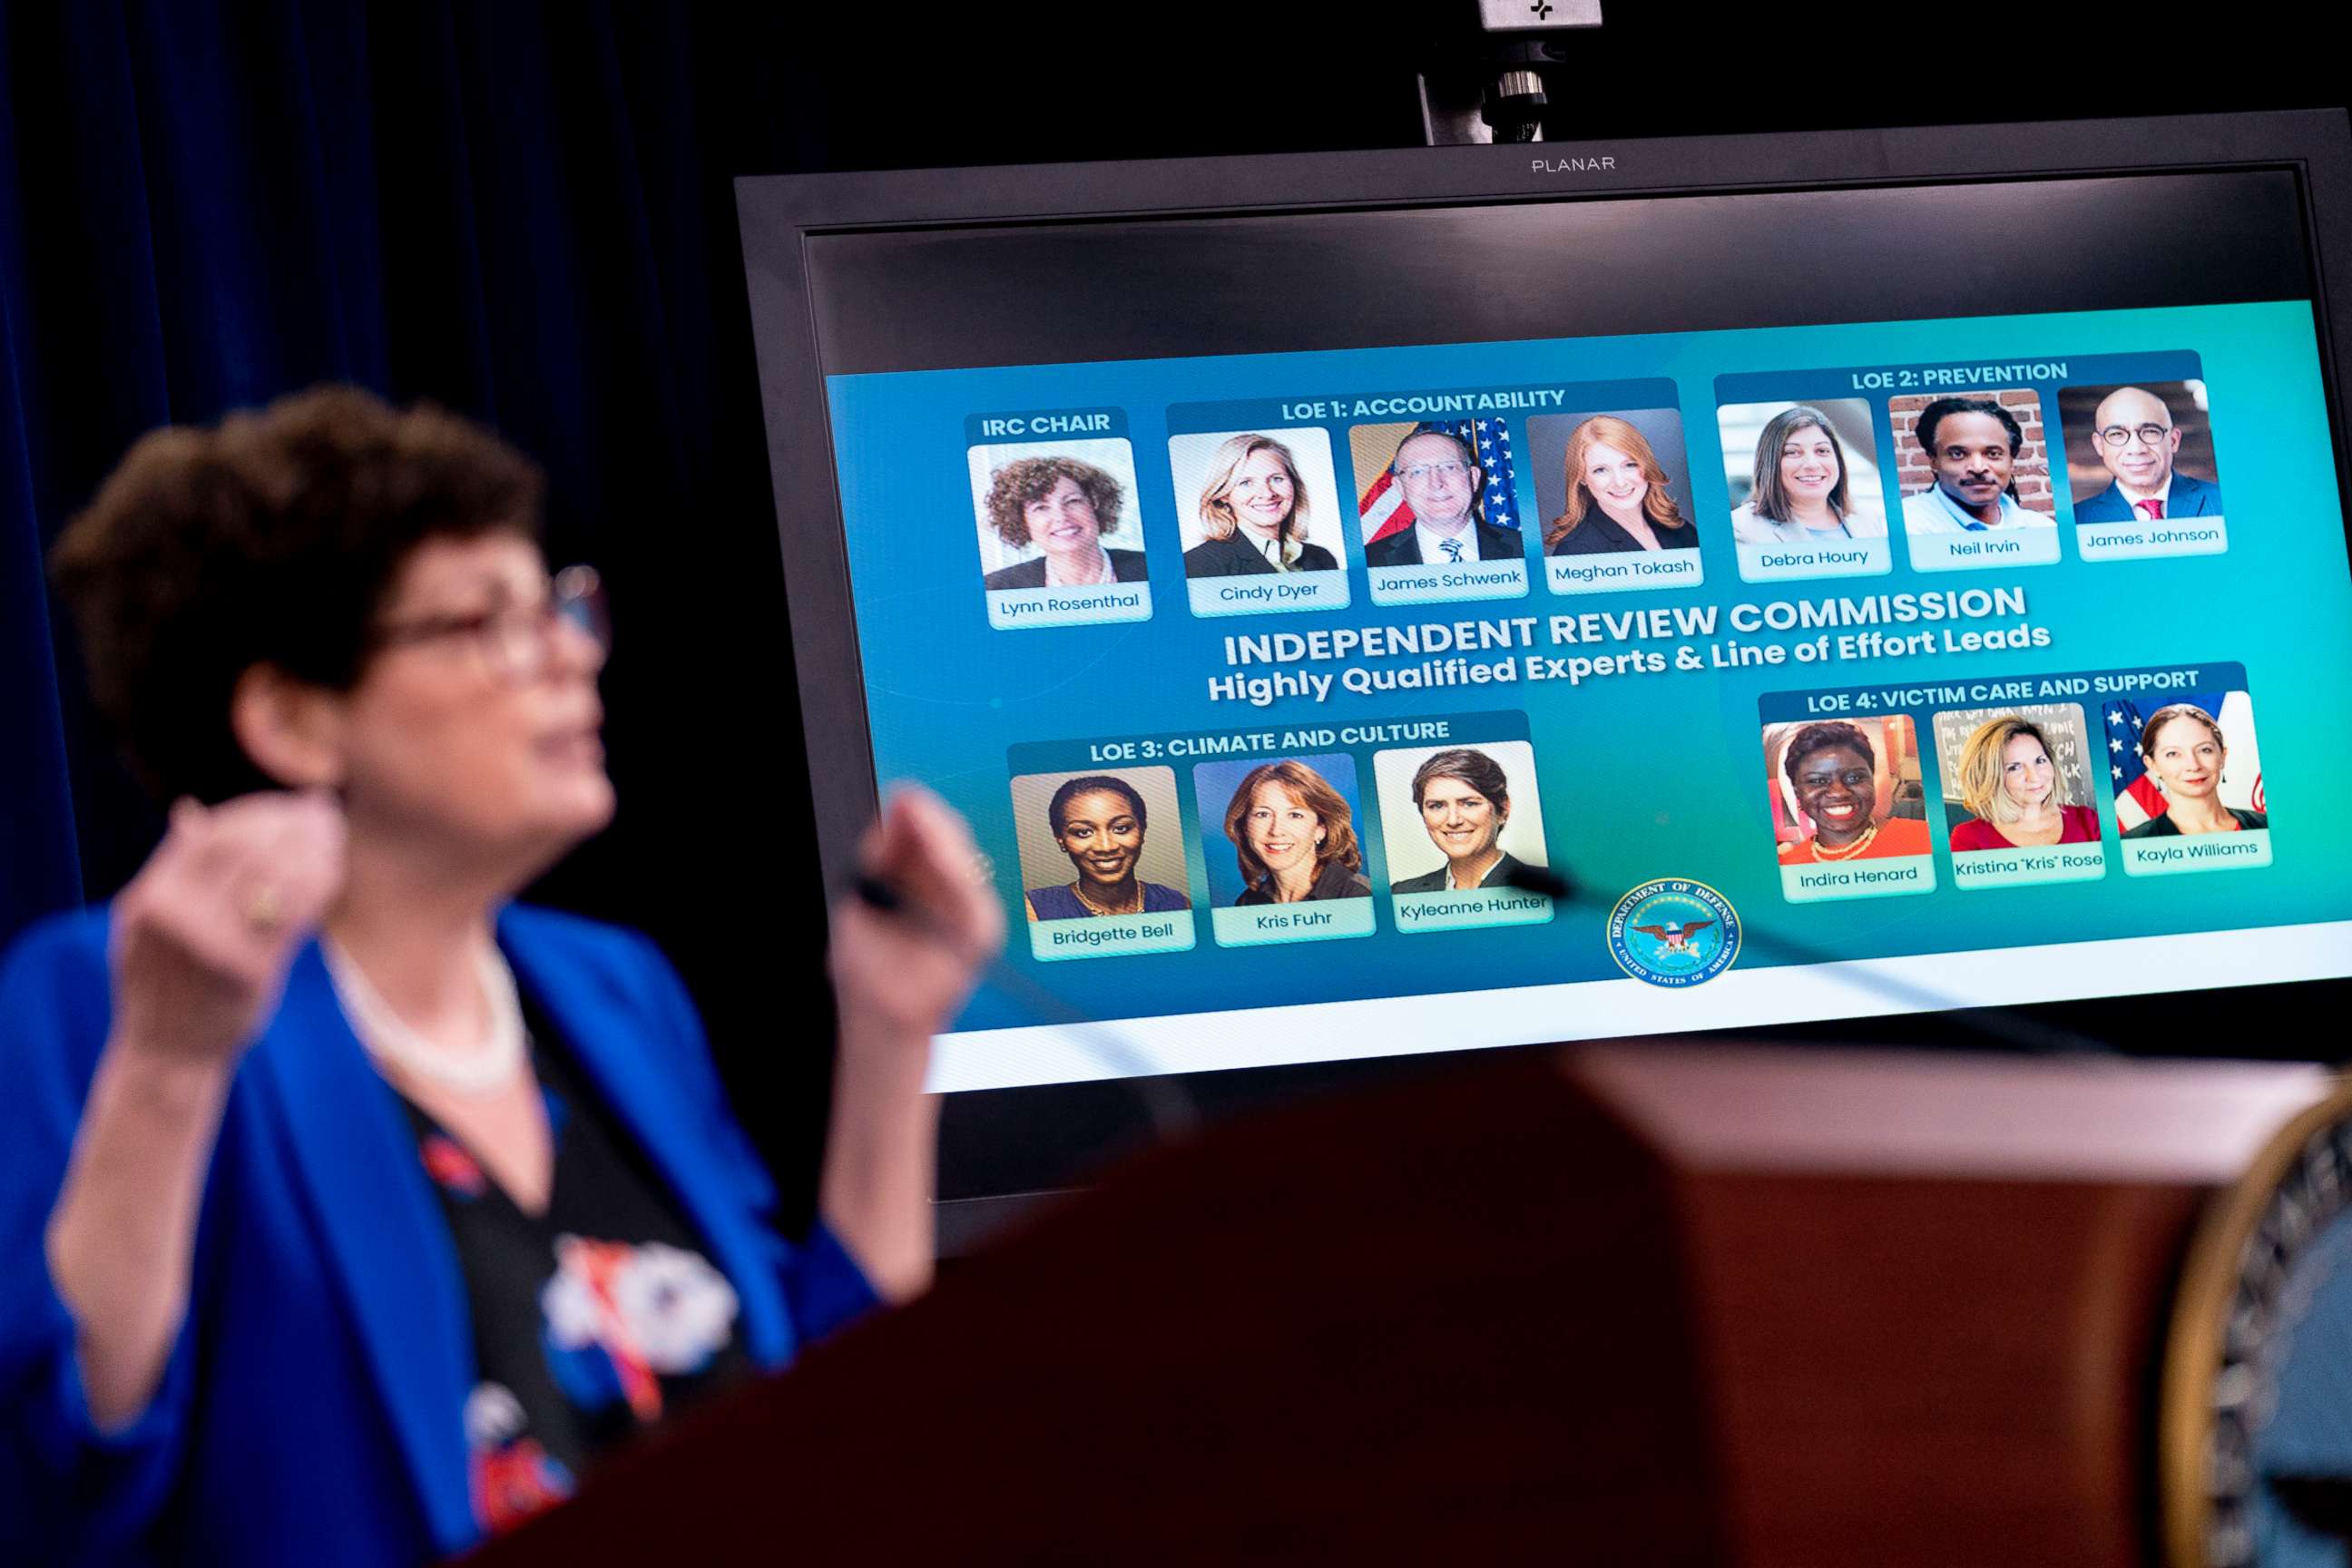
[1486,80]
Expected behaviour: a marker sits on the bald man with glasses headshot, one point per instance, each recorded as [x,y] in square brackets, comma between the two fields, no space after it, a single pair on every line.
[2137,440]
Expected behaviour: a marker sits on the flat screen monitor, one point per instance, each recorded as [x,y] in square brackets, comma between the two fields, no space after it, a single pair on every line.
[1415,601]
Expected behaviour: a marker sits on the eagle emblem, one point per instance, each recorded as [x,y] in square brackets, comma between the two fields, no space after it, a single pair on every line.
[1675,934]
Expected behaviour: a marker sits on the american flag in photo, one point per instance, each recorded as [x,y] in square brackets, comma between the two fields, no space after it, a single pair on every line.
[1384,509]
[2137,797]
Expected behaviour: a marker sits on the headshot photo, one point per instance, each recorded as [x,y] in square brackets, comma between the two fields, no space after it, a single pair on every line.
[1288,830]
[2016,777]
[1977,464]
[1256,501]
[1458,817]
[1437,494]
[1846,791]
[1097,844]
[2186,766]
[1049,511]
[1611,482]
[2139,453]
[1802,473]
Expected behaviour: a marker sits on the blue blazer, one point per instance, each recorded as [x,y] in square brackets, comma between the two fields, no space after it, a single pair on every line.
[312,1409]
[2189,497]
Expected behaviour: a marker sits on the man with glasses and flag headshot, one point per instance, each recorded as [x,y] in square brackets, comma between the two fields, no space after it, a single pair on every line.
[2137,439]
[1443,483]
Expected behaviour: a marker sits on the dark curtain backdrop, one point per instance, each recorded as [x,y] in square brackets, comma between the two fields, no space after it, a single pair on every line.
[519,211]
[524,211]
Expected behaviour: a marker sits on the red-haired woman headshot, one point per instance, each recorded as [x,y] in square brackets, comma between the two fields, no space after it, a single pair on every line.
[1295,838]
[1618,496]
[349,1210]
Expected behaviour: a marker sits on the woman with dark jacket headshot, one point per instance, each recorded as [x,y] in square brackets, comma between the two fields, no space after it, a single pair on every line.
[1254,514]
[349,1210]
[1618,498]
[1062,508]
[1293,836]
[2182,746]
[1465,801]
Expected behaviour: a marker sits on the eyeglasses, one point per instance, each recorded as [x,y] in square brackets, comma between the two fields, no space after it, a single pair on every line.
[515,640]
[1421,473]
[2121,434]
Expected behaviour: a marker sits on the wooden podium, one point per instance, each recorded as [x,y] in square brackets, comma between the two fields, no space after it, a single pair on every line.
[1654,1303]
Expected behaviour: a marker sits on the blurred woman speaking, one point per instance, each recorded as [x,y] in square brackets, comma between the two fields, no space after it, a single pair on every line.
[348,1210]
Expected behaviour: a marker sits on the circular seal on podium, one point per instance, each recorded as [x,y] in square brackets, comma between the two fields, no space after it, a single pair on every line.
[2254,1422]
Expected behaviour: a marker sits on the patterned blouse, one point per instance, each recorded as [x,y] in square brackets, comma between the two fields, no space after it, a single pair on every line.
[593,1321]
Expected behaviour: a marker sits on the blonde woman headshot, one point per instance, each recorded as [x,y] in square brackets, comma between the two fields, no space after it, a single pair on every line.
[1254,514]
[2010,786]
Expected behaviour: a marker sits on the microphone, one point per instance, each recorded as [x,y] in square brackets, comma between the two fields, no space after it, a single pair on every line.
[2006,1025]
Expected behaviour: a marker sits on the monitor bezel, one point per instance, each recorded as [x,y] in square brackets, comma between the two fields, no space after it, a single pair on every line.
[782,215]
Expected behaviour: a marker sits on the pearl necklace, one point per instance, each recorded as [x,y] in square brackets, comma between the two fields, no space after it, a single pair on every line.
[391,1041]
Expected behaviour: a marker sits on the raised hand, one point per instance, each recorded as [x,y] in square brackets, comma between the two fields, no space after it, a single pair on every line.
[205,932]
[909,970]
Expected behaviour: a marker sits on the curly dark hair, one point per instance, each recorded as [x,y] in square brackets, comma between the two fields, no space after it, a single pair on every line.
[1013,486]
[272,538]
[1935,413]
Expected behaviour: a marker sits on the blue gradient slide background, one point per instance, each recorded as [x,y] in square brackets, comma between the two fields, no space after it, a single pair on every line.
[1641,776]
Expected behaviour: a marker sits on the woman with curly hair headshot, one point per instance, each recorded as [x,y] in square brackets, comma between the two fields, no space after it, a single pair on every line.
[1062,508]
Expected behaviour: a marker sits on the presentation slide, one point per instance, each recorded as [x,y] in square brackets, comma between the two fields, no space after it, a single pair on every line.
[1313,706]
